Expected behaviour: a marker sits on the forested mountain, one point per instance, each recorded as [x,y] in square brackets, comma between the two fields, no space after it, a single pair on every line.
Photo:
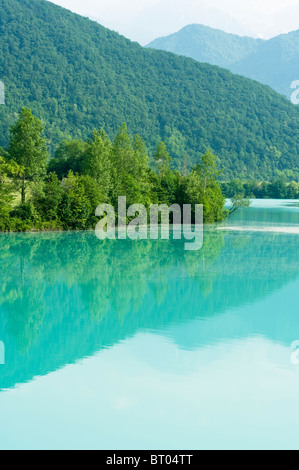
[274,62]
[77,76]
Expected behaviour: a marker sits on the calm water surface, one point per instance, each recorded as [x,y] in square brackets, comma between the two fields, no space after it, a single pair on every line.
[142,345]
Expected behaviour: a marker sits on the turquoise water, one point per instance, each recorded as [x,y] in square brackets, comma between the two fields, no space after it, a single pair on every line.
[142,345]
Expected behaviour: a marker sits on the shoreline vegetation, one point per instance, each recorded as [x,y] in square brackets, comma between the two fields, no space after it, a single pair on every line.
[39,193]
[62,193]
[280,188]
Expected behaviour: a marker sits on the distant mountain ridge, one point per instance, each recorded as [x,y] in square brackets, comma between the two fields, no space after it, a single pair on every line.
[274,62]
[209,45]
[162,17]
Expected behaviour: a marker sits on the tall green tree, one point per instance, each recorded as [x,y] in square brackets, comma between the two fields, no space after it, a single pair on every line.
[28,148]
[162,159]
[96,161]
[129,168]
[142,170]
[47,202]
[168,182]
[202,187]
[74,208]
[207,170]
[8,171]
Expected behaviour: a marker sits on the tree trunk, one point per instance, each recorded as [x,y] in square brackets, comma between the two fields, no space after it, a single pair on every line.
[23,191]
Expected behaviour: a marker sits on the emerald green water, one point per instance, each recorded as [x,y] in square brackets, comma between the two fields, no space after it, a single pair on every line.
[142,345]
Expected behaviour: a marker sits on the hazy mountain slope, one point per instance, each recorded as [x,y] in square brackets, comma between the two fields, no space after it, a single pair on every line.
[209,45]
[274,62]
[78,76]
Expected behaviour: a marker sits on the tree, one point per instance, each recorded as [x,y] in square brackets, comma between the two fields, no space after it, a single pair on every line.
[105,171]
[176,143]
[238,201]
[162,160]
[235,186]
[293,190]
[202,187]
[74,208]
[68,156]
[28,148]
[122,156]
[278,189]
[96,161]
[8,171]
[142,170]
[168,181]
[207,170]
[130,168]
[47,203]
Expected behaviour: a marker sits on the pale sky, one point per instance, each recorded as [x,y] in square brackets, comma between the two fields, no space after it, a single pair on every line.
[145,20]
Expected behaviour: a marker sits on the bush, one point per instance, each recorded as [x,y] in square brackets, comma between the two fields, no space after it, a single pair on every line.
[24,212]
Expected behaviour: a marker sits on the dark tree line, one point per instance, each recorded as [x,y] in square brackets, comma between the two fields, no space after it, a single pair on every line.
[278,189]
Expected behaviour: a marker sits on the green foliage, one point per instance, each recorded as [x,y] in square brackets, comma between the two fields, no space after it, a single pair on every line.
[78,76]
[162,160]
[9,170]
[202,187]
[75,207]
[27,147]
[105,171]
[6,189]
[278,189]
[67,157]
[167,184]
[47,203]
[237,202]
[96,161]
[130,168]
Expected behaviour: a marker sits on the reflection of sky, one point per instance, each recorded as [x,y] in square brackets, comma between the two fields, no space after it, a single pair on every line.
[241,398]
[235,390]
[274,317]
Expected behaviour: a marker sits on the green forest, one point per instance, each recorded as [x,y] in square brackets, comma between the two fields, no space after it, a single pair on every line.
[63,193]
[77,76]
